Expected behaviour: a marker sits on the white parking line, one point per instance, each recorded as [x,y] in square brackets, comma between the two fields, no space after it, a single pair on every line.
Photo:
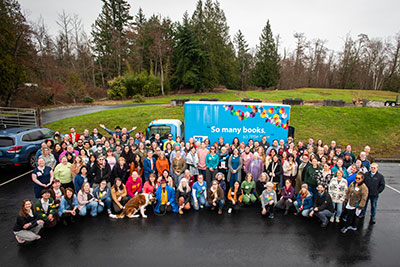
[15,178]
[394,189]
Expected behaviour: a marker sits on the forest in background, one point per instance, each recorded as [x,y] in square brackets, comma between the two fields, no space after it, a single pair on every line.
[129,55]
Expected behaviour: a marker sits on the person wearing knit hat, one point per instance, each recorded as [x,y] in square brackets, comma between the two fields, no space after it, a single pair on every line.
[183,195]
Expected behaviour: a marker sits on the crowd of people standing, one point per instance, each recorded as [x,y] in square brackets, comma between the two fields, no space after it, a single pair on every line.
[87,174]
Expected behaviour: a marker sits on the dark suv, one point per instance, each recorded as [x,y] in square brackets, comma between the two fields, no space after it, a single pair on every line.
[19,145]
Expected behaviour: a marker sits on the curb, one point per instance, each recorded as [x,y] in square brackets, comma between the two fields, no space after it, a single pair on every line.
[388,160]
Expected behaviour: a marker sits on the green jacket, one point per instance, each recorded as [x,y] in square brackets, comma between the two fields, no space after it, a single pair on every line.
[40,211]
[247,187]
[311,175]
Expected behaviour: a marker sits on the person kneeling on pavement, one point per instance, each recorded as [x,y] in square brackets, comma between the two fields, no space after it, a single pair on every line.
[215,197]
[323,208]
[268,200]
[28,224]
[356,199]
[286,200]
[304,201]
[68,207]
[46,209]
[165,196]
[103,195]
[183,195]
[235,197]
[199,193]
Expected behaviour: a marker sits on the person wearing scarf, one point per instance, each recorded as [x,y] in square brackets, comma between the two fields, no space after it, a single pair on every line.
[304,201]
[286,200]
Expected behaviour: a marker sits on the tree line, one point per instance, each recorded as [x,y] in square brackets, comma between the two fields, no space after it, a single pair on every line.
[130,54]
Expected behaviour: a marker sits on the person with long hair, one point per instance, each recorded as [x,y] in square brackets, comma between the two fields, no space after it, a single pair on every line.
[199,193]
[120,170]
[119,195]
[192,161]
[183,195]
[165,175]
[87,201]
[255,167]
[235,164]
[202,153]
[68,207]
[215,197]
[28,225]
[212,160]
[287,198]
[162,163]
[76,166]
[304,201]
[235,197]
[137,165]
[290,170]
[248,187]
[337,190]
[150,186]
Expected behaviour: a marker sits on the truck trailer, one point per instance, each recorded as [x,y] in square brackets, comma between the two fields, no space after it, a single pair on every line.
[211,120]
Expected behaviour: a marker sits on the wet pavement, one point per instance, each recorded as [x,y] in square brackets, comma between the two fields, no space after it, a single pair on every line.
[52,115]
[205,238]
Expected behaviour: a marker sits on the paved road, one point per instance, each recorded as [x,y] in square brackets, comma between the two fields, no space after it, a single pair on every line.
[204,238]
[53,115]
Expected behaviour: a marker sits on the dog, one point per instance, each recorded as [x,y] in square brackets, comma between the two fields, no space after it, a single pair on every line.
[136,204]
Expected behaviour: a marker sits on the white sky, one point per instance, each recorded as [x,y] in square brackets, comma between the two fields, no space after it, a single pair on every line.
[330,20]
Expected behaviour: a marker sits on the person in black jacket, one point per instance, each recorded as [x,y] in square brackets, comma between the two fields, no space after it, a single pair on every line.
[323,208]
[27,227]
[120,170]
[376,184]
[100,171]
[183,195]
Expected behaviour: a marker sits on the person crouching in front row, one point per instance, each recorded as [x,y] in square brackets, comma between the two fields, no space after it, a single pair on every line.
[183,195]
[268,200]
[323,207]
[235,197]
[165,196]
[215,197]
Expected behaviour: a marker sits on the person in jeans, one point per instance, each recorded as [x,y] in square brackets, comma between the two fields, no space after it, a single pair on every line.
[215,197]
[268,200]
[286,200]
[103,195]
[68,207]
[304,201]
[199,193]
[323,208]
[28,224]
[375,182]
[356,199]
[337,190]
[87,201]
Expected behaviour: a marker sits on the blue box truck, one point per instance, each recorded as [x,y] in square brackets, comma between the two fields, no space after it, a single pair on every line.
[227,119]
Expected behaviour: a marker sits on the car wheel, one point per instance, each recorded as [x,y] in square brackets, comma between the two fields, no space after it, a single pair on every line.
[32,161]
[393,104]
[387,104]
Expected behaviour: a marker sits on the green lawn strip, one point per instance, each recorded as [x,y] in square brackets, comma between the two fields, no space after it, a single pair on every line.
[378,128]
[315,94]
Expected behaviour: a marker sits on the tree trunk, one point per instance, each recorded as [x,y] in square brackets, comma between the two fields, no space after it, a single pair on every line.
[162,75]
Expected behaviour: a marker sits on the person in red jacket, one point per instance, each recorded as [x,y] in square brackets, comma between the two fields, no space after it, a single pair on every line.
[134,185]
[73,136]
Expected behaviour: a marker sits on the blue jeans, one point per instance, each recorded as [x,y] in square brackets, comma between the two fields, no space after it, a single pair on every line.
[338,208]
[201,200]
[220,204]
[92,206]
[234,177]
[323,215]
[304,212]
[107,204]
[374,204]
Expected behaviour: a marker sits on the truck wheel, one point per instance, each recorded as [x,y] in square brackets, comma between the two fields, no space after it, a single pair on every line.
[386,104]
[393,104]
[31,160]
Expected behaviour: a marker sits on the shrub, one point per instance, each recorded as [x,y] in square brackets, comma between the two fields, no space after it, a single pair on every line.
[117,88]
[88,99]
[138,99]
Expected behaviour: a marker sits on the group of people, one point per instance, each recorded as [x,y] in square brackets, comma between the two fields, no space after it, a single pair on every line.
[85,174]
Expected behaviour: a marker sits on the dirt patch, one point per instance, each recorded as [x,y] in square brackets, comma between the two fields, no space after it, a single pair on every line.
[325,94]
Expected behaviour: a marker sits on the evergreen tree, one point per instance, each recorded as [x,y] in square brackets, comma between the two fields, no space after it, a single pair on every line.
[16,49]
[108,32]
[191,60]
[266,71]
[244,59]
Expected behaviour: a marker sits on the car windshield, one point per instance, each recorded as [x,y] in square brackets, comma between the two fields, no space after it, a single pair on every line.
[162,130]
[6,141]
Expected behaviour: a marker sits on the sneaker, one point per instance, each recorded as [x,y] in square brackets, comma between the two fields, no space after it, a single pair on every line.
[230,210]
[109,212]
[352,228]
[332,219]
[219,212]
[201,206]
[19,240]
[271,216]
[180,211]
[338,219]
[372,221]
[344,230]
[323,225]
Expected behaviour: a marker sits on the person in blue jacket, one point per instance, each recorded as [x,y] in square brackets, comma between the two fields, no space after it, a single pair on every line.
[149,165]
[304,201]
[68,208]
[165,196]
[212,161]
[80,178]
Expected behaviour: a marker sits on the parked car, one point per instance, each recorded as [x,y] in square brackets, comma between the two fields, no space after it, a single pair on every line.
[392,103]
[19,145]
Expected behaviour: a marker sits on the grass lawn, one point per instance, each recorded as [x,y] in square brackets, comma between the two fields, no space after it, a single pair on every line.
[308,94]
[358,126]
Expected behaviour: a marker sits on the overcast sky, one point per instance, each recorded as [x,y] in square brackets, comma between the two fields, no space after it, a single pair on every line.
[330,20]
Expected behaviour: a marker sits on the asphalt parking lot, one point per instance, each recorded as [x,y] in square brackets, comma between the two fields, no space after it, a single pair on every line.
[203,238]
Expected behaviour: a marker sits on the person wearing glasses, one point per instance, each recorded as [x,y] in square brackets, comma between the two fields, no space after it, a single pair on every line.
[375,182]
[100,171]
[169,141]
[356,199]
[215,197]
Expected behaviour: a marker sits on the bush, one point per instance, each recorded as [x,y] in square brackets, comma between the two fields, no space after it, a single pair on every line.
[138,99]
[117,88]
[88,99]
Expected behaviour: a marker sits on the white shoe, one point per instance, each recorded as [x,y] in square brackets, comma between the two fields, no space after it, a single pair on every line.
[201,206]
[338,219]
[230,210]
[332,219]
[352,228]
